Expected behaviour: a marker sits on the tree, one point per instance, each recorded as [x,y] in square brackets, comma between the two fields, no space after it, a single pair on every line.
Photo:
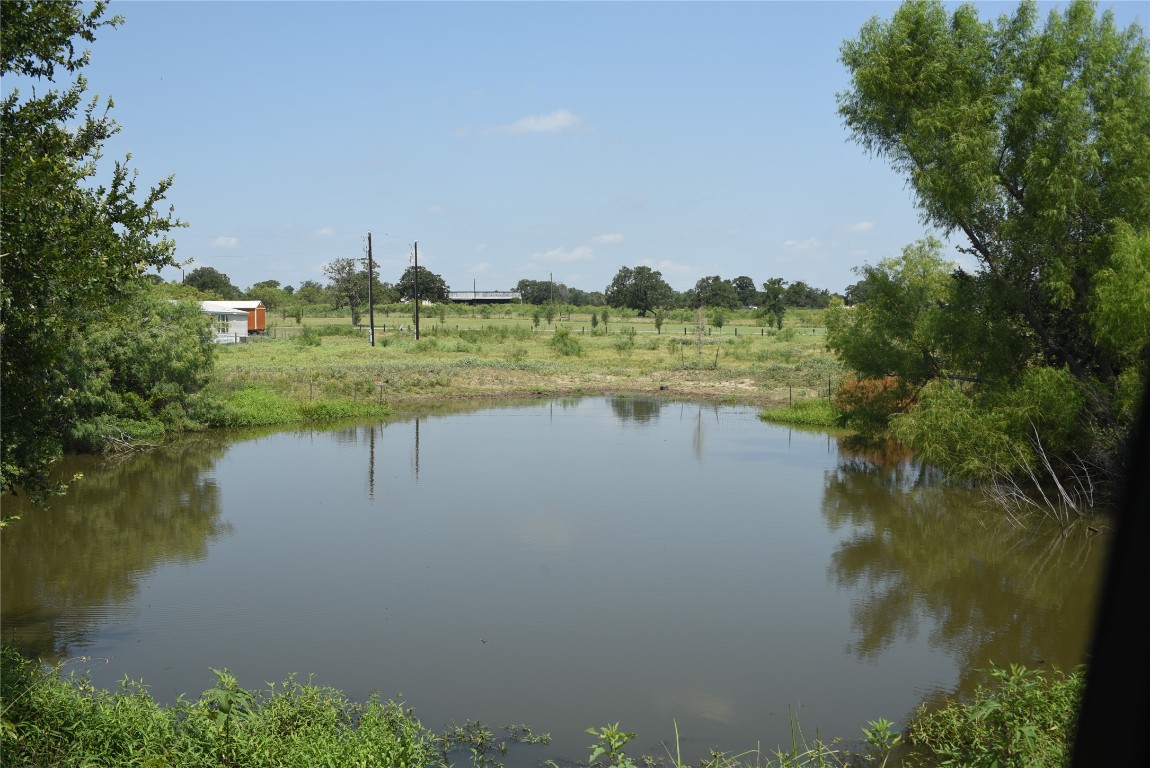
[856,293]
[310,292]
[431,286]
[347,285]
[137,374]
[745,290]
[1043,170]
[714,291]
[72,250]
[898,331]
[269,293]
[544,292]
[212,282]
[799,294]
[771,303]
[641,289]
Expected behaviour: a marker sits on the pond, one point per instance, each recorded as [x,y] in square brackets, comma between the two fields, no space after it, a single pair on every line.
[560,563]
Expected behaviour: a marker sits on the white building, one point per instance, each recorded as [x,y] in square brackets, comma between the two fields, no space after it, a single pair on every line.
[230,324]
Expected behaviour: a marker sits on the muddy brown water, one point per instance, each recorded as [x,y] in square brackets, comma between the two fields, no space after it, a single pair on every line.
[561,563]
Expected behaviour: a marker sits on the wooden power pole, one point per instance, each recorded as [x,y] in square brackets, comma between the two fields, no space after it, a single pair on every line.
[370,302]
[415,246]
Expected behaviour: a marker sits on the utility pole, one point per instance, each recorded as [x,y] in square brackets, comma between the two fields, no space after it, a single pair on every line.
[370,303]
[415,246]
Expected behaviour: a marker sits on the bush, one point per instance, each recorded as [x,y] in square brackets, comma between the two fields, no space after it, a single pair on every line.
[308,337]
[566,344]
[1027,719]
[868,404]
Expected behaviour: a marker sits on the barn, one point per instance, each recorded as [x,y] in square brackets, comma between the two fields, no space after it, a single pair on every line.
[257,315]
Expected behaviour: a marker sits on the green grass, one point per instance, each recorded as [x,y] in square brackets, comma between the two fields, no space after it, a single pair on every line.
[503,354]
[1022,718]
[52,720]
[810,413]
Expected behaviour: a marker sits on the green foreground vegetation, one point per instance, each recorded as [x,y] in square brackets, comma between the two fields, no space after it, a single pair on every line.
[1023,718]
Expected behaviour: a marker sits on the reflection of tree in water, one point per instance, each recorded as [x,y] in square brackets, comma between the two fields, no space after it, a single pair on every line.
[921,551]
[639,410]
[62,565]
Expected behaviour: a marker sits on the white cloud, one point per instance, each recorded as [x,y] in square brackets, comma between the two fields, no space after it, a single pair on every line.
[324,232]
[226,242]
[559,120]
[801,245]
[673,272]
[582,253]
[859,227]
[611,239]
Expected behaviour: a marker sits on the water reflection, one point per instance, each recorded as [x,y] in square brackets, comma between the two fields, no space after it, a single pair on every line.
[556,561]
[638,410]
[65,568]
[920,554]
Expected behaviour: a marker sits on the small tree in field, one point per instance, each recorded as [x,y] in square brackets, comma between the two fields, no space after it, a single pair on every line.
[718,318]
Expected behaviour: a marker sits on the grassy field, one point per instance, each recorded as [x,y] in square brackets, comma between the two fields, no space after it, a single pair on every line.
[499,352]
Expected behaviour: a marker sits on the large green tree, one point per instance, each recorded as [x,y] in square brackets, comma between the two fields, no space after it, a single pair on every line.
[1029,142]
[714,291]
[543,292]
[745,290]
[772,305]
[347,285]
[72,248]
[214,283]
[1032,144]
[269,293]
[642,289]
[431,287]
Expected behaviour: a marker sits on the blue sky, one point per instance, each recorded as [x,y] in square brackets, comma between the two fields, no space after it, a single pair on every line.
[510,140]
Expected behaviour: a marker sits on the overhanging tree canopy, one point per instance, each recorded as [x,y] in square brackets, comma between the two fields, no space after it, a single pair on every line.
[71,246]
[1033,145]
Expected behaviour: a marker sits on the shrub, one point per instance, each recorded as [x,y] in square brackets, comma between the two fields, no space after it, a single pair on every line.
[868,404]
[1026,719]
[308,337]
[566,344]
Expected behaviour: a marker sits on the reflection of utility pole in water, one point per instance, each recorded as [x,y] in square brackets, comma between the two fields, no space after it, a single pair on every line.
[697,438]
[415,462]
[371,465]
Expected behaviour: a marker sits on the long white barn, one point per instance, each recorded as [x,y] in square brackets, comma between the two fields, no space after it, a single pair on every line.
[484,297]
